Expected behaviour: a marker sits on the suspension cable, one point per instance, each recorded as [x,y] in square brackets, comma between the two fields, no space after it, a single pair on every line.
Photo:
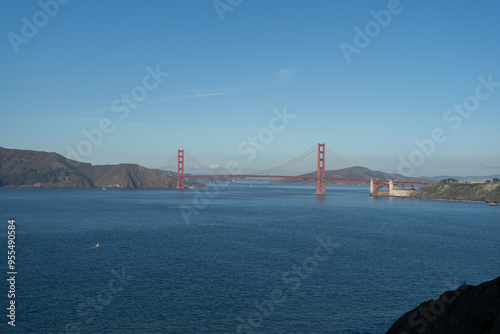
[167,164]
[300,157]
[347,163]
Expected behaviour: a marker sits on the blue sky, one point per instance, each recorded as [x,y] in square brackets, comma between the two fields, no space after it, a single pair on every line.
[226,76]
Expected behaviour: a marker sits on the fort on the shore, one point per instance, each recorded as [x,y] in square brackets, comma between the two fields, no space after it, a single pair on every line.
[392,188]
[488,192]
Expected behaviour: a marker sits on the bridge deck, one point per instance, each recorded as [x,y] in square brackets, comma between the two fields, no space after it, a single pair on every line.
[296,177]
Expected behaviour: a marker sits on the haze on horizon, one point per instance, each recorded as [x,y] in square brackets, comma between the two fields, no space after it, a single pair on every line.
[397,86]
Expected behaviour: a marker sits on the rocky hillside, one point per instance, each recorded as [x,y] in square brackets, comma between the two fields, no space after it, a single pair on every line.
[127,176]
[467,310]
[23,168]
[485,192]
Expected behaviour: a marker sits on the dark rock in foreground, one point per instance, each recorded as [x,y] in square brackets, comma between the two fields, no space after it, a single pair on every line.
[467,310]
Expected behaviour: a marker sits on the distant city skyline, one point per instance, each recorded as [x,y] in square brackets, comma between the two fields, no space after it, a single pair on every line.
[408,87]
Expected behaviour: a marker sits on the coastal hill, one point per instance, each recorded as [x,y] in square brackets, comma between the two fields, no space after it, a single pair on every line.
[467,310]
[356,172]
[464,179]
[481,192]
[24,168]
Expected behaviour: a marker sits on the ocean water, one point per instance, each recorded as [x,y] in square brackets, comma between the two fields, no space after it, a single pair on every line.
[236,258]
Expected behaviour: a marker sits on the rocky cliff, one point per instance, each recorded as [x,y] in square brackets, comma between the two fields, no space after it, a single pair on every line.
[484,192]
[23,168]
[467,310]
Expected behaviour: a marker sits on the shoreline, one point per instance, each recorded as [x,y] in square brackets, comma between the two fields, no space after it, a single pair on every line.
[461,192]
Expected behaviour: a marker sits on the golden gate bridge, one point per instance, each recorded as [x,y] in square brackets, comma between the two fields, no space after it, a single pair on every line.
[314,159]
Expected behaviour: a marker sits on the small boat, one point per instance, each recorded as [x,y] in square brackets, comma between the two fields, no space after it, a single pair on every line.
[103,188]
[98,245]
[493,204]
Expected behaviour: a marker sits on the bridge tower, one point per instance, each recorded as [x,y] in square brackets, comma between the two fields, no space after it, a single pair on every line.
[180,169]
[320,190]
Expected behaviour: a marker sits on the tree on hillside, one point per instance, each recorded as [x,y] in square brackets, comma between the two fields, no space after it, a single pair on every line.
[449,180]
[488,181]
[495,179]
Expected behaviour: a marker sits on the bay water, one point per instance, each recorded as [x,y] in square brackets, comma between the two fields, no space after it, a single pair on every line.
[237,258]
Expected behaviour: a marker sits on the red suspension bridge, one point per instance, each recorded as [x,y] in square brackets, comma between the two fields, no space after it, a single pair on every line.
[315,160]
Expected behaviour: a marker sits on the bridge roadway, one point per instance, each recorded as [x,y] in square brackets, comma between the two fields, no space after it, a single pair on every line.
[315,178]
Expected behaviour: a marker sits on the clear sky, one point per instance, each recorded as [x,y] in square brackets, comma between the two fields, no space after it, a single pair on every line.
[368,78]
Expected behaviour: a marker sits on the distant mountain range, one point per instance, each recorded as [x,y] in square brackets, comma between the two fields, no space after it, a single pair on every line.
[356,172]
[23,168]
[466,178]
